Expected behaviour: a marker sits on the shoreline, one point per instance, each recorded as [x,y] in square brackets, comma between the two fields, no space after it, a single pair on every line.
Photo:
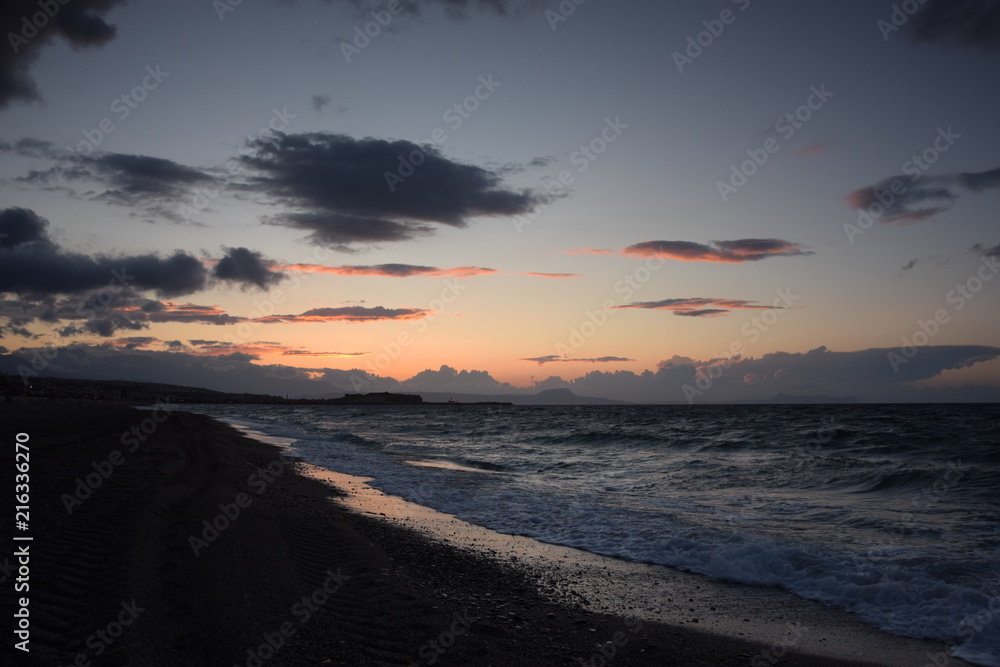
[290,577]
[650,592]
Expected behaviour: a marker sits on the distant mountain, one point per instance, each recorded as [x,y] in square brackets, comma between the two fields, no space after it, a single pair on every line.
[546,397]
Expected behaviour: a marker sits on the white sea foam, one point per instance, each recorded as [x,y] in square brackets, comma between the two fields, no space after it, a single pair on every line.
[855,532]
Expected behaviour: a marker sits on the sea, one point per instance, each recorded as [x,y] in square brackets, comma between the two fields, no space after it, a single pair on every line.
[891,512]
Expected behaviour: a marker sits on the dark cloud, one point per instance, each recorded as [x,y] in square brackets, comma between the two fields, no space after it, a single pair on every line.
[29,147]
[105,326]
[982,180]
[966,23]
[697,307]
[79,22]
[320,102]
[902,200]
[345,232]
[135,342]
[726,252]
[135,177]
[542,161]
[106,311]
[23,228]
[247,267]
[113,308]
[34,264]
[555,358]
[190,313]
[511,168]
[344,197]
[987,252]
[346,192]
[153,184]
[940,261]
[455,9]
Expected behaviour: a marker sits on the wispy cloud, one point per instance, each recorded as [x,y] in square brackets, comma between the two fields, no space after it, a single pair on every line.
[987,252]
[153,185]
[321,101]
[903,200]
[188,313]
[555,358]
[726,252]
[551,275]
[697,307]
[815,149]
[937,259]
[309,353]
[589,251]
[411,270]
[390,270]
[346,314]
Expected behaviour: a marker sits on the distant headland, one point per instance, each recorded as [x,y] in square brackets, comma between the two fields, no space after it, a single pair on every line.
[13,389]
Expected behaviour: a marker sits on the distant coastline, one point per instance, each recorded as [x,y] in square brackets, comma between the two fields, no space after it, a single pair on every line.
[133,392]
[129,392]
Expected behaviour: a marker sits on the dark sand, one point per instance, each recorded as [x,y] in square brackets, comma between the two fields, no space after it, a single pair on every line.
[376,592]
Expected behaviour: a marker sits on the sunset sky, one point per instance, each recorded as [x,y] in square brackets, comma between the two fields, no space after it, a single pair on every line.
[627,196]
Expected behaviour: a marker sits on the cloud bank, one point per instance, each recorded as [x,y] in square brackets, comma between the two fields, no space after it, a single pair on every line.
[864,374]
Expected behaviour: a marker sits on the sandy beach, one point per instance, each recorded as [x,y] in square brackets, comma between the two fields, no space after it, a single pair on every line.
[167,538]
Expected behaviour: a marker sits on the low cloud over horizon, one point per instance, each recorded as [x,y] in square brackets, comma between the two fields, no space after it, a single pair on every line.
[864,374]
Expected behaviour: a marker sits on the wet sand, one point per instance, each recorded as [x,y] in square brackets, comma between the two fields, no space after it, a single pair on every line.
[198,546]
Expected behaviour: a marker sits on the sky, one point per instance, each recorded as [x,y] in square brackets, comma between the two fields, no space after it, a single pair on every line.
[647,201]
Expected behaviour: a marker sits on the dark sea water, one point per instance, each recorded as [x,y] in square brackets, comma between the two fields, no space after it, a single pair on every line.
[890,512]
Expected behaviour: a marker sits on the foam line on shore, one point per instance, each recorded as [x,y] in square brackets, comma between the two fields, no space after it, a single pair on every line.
[769,616]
